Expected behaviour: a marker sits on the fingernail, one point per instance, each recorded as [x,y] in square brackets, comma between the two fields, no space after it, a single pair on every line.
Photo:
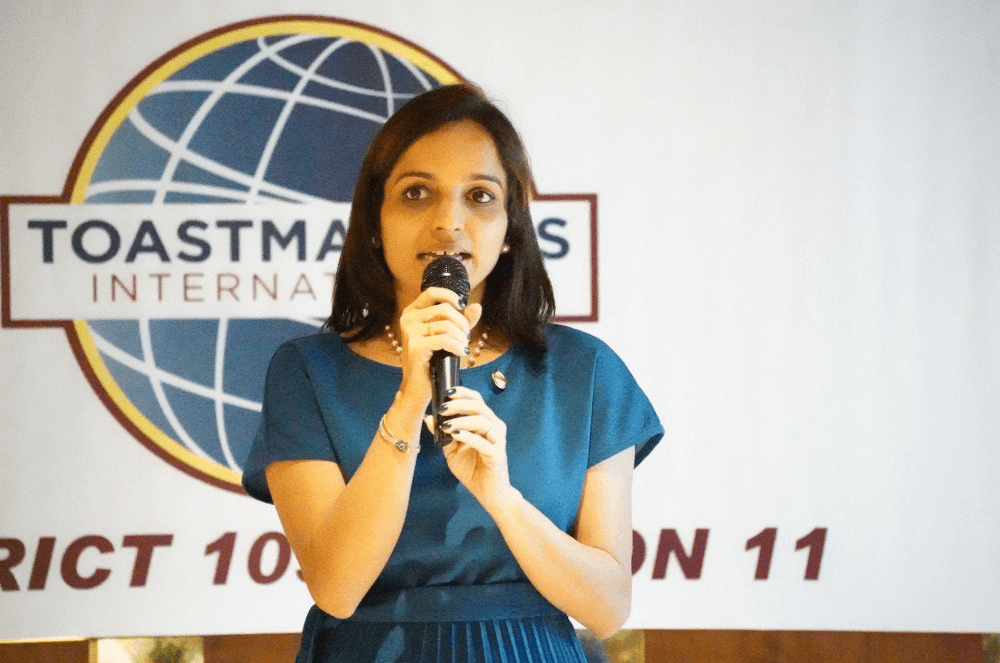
[469,336]
[467,350]
[442,407]
[451,391]
[446,425]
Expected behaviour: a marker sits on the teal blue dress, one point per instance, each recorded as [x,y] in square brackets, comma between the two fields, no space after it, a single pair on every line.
[452,590]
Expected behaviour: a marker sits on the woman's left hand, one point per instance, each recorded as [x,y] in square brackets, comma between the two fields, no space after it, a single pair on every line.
[477,454]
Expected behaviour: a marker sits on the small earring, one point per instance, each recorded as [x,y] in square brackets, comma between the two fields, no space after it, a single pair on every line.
[375,243]
[505,248]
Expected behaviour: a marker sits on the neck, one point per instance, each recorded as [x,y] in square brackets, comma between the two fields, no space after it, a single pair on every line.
[405,297]
[481,347]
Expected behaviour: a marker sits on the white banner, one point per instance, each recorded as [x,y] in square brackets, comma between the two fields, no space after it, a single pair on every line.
[785,219]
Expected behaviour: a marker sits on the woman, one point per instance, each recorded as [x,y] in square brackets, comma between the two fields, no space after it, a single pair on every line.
[477,550]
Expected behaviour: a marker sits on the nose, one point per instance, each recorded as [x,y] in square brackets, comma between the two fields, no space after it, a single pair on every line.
[451,215]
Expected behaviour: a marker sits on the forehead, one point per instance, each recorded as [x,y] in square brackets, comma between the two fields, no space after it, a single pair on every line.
[457,149]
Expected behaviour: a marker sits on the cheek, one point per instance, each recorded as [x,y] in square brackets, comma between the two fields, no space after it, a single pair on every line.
[394,233]
[495,240]
[393,250]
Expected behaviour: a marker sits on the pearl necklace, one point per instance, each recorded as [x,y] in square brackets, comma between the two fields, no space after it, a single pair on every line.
[470,361]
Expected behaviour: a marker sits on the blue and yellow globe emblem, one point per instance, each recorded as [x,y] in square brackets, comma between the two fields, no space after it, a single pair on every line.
[272,111]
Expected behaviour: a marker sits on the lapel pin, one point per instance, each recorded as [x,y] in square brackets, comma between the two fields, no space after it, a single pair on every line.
[500,380]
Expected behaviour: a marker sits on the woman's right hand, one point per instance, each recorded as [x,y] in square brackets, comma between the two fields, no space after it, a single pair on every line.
[432,322]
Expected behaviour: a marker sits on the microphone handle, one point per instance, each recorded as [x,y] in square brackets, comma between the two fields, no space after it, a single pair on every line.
[444,376]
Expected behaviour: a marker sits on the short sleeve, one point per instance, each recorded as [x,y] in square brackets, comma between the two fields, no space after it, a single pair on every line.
[291,424]
[622,415]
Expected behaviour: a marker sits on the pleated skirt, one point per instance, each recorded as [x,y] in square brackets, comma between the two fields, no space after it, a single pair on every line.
[549,639]
[509,624]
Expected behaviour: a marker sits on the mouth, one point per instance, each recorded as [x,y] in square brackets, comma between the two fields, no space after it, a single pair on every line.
[428,256]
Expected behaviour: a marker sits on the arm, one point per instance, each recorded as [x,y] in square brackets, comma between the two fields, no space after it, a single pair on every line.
[587,575]
[343,533]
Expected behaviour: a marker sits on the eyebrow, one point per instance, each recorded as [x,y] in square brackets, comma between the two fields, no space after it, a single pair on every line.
[430,176]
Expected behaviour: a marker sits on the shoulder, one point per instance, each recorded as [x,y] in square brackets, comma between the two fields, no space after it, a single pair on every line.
[575,356]
[307,353]
[591,379]
[563,342]
[323,343]
[562,336]
[575,353]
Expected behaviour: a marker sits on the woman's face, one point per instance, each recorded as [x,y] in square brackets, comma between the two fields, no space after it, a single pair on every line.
[445,196]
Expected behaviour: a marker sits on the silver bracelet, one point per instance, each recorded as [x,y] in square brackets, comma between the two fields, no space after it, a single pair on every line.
[401,445]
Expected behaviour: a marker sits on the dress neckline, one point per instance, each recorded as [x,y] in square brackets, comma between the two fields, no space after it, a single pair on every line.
[374,363]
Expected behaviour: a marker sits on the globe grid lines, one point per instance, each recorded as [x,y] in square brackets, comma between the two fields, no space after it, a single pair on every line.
[180,152]
[140,365]
[252,188]
[279,125]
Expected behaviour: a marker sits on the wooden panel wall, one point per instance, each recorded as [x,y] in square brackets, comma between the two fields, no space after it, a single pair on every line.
[811,647]
[273,648]
[660,647]
[67,651]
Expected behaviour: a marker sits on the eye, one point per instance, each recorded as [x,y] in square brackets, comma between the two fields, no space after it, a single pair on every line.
[481,196]
[415,192]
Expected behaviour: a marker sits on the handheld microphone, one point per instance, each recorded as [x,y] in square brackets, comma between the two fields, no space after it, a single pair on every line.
[445,272]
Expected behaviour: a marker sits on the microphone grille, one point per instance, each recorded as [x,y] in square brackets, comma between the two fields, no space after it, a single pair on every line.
[447,272]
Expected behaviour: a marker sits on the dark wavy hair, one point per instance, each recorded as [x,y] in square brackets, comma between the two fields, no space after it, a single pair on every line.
[517,300]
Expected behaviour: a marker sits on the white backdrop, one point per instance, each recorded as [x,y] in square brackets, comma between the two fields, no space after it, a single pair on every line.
[799,258]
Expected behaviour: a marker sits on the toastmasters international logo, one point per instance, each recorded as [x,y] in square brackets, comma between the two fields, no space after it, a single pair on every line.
[203,219]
